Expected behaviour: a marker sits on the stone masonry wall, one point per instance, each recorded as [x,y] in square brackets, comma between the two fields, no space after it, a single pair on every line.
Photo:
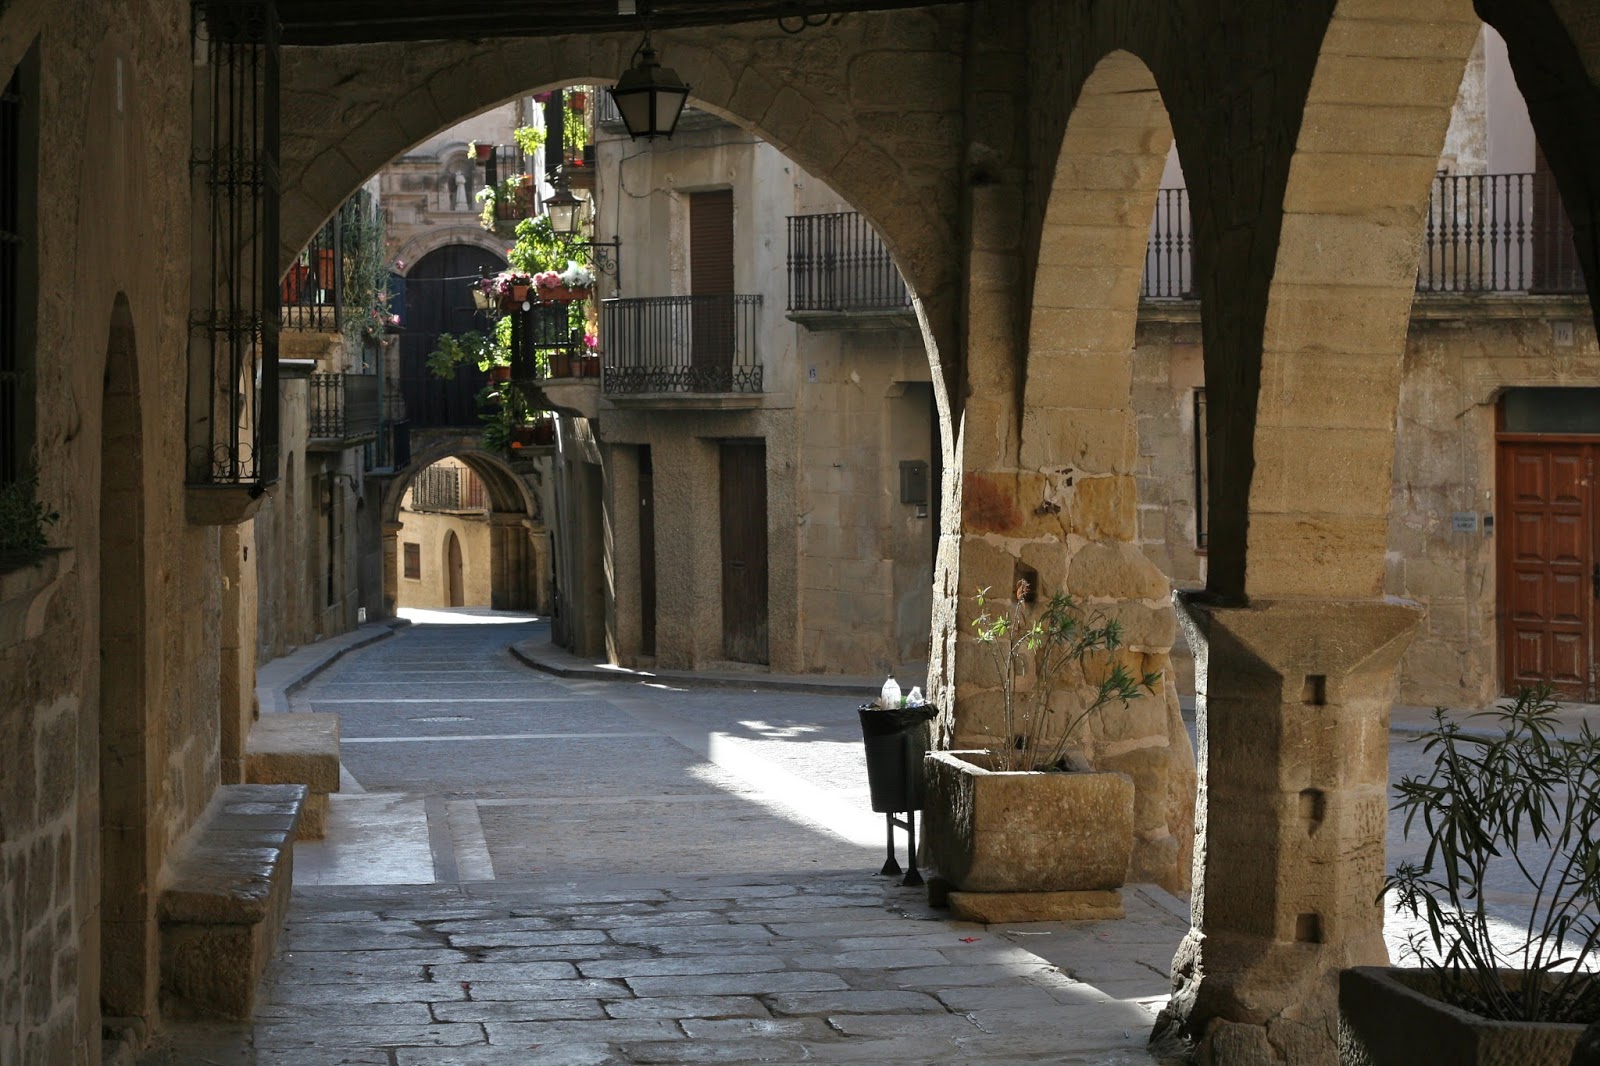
[1461,352]
[113,86]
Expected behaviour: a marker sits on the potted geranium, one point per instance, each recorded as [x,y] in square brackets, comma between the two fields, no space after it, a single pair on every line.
[1510,810]
[1028,830]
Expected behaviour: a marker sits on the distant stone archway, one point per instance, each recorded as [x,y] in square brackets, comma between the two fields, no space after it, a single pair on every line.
[519,542]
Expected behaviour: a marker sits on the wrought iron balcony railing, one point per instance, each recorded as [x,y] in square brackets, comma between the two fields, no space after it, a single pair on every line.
[837,262]
[1505,233]
[681,344]
[343,406]
[447,489]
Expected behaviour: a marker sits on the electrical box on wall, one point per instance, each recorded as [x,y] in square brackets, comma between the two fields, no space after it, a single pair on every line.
[914,482]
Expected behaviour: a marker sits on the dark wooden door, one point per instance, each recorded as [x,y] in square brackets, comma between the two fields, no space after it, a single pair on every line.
[744,551]
[711,288]
[1547,562]
[454,571]
[439,300]
[647,553]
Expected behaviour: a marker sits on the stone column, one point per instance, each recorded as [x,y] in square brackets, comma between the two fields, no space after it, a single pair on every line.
[1293,699]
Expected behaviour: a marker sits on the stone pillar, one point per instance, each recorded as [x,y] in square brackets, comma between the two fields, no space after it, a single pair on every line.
[1294,699]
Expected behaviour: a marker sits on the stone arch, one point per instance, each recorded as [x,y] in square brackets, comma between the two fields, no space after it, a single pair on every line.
[1340,299]
[1055,497]
[879,123]
[1296,650]
[413,251]
[519,553]
[129,777]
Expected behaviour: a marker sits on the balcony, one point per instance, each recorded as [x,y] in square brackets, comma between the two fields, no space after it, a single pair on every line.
[1484,234]
[344,410]
[685,351]
[842,277]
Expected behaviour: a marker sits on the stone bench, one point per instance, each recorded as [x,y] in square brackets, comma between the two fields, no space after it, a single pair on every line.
[225,894]
[297,749]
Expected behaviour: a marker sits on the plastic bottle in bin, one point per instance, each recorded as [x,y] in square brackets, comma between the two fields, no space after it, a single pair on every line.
[889,698]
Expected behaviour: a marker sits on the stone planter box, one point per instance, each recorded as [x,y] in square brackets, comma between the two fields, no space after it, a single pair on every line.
[1027,846]
[1386,1018]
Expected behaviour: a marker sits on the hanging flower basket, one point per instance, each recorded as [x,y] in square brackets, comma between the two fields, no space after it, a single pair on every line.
[577,100]
[482,152]
[499,373]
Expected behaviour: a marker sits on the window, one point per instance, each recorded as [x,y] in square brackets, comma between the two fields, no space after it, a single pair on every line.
[414,561]
[1202,471]
[16,275]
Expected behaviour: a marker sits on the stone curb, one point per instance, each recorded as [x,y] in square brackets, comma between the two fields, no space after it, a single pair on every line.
[529,657]
[330,651]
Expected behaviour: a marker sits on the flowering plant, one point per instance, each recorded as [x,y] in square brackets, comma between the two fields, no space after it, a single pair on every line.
[577,276]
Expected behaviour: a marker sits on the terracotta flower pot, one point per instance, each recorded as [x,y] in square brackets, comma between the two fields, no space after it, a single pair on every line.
[519,293]
[499,373]
[483,152]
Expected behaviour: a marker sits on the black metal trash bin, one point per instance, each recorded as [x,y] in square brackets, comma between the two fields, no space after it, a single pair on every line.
[896,743]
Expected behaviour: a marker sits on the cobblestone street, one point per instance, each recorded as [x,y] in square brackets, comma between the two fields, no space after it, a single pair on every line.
[522,869]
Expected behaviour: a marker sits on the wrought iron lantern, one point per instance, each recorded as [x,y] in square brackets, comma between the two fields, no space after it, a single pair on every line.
[564,209]
[649,97]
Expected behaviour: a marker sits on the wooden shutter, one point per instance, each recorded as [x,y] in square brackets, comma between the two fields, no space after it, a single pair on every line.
[711,285]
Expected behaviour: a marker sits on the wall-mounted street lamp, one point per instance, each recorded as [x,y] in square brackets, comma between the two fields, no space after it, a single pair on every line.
[566,212]
[649,97]
[564,209]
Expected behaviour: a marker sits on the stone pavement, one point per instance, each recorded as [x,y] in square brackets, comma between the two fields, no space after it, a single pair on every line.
[528,869]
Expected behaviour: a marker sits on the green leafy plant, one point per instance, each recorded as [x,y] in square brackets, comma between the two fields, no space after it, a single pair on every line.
[1054,643]
[23,518]
[367,267]
[1516,804]
[529,139]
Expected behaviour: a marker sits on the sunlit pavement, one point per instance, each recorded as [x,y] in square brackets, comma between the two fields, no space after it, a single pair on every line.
[522,869]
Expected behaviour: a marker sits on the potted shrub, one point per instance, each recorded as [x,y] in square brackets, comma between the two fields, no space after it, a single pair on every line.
[1513,808]
[1030,831]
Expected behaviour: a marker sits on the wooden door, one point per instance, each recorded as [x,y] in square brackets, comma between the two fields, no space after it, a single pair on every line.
[744,551]
[647,553]
[1547,563]
[711,289]
[454,571]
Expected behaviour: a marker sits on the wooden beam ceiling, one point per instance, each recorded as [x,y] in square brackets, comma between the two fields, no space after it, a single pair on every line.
[336,22]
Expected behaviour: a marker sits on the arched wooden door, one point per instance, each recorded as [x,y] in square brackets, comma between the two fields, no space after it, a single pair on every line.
[453,569]
[438,301]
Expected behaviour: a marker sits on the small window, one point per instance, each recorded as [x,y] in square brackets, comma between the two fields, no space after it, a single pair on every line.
[414,562]
[16,269]
[1202,471]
